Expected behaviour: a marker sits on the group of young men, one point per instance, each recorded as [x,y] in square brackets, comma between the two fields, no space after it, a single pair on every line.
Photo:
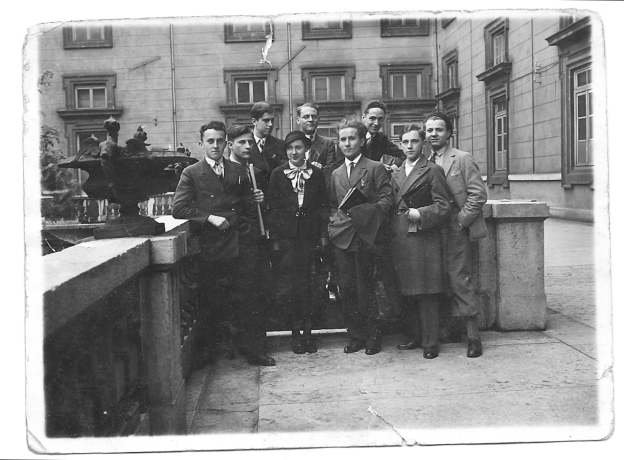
[265,213]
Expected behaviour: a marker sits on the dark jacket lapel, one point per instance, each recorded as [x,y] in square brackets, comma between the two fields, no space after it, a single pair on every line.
[418,170]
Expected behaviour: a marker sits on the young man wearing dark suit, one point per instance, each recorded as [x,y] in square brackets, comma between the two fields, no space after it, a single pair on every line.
[421,208]
[322,153]
[216,196]
[378,147]
[298,212]
[465,224]
[355,235]
[267,151]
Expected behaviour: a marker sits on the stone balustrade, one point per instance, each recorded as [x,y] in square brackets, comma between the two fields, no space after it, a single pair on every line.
[112,335]
[112,318]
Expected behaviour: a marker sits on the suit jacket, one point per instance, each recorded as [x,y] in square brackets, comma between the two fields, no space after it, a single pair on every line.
[371,178]
[285,219]
[468,189]
[271,157]
[417,256]
[200,193]
[325,152]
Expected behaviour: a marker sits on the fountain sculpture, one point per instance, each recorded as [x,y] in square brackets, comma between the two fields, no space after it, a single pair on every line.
[127,175]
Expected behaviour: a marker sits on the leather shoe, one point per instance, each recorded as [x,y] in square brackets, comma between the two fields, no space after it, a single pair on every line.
[475,348]
[411,345]
[298,346]
[373,350]
[430,352]
[310,345]
[261,360]
[352,348]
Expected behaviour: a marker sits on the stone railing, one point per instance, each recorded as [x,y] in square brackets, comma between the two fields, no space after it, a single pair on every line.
[113,360]
[91,210]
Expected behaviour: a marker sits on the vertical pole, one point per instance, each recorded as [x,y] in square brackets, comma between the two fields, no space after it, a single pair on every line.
[173,91]
[290,104]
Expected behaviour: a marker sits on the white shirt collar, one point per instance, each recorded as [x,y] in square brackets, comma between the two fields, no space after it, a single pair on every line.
[348,162]
[292,166]
[258,139]
[442,151]
[211,162]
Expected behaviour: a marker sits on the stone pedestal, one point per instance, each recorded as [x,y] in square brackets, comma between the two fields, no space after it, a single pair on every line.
[511,266]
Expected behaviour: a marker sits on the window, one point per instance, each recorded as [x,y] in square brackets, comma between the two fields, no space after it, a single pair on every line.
[404,27]
[583,114]
[454,142]
[90,97]
[328,131]
[499,111]
[496,42]
[323,28]
[243,88]
[78,36]
[89,101]
[406,86]
[250,91]
[89,93]
[255,31]
[449,70]
[330,88]
[326,84]
[405,81]
[573,41]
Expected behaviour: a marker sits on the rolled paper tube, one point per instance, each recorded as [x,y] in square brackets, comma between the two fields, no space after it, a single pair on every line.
[252,173]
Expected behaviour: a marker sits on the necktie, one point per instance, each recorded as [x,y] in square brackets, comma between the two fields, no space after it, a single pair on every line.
[261,145]
[350,169]
[218,170]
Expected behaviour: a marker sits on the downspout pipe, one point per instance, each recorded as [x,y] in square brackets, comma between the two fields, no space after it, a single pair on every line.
[290,103]
[173,91]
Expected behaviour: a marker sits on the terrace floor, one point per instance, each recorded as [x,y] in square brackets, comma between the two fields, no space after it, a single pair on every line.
[528,386]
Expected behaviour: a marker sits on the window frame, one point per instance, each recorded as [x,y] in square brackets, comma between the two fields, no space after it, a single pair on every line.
[388,30]
[251,90]
[308,33]
[497,154]
[387,71]
[497,174]
[229,36]
[71,83]
[587,90]
[70,42]
[327,78]
[573,41]
[309,73]
[496,28]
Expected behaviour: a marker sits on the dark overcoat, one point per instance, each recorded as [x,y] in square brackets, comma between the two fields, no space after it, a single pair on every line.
[418,256]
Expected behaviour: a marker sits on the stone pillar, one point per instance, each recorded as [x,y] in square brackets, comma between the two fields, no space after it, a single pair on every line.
[519,299]
[161,321]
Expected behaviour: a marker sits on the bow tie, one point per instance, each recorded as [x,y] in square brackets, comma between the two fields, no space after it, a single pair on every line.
[297,177]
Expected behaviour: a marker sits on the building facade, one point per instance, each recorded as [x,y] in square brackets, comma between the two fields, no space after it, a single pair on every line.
[519,87]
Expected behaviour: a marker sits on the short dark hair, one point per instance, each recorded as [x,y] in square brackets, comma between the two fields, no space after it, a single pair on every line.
[407,128]
[352,123]
[214,124]
[375,104]
[237,131]
[312,105]
[260,108]
[445,118]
